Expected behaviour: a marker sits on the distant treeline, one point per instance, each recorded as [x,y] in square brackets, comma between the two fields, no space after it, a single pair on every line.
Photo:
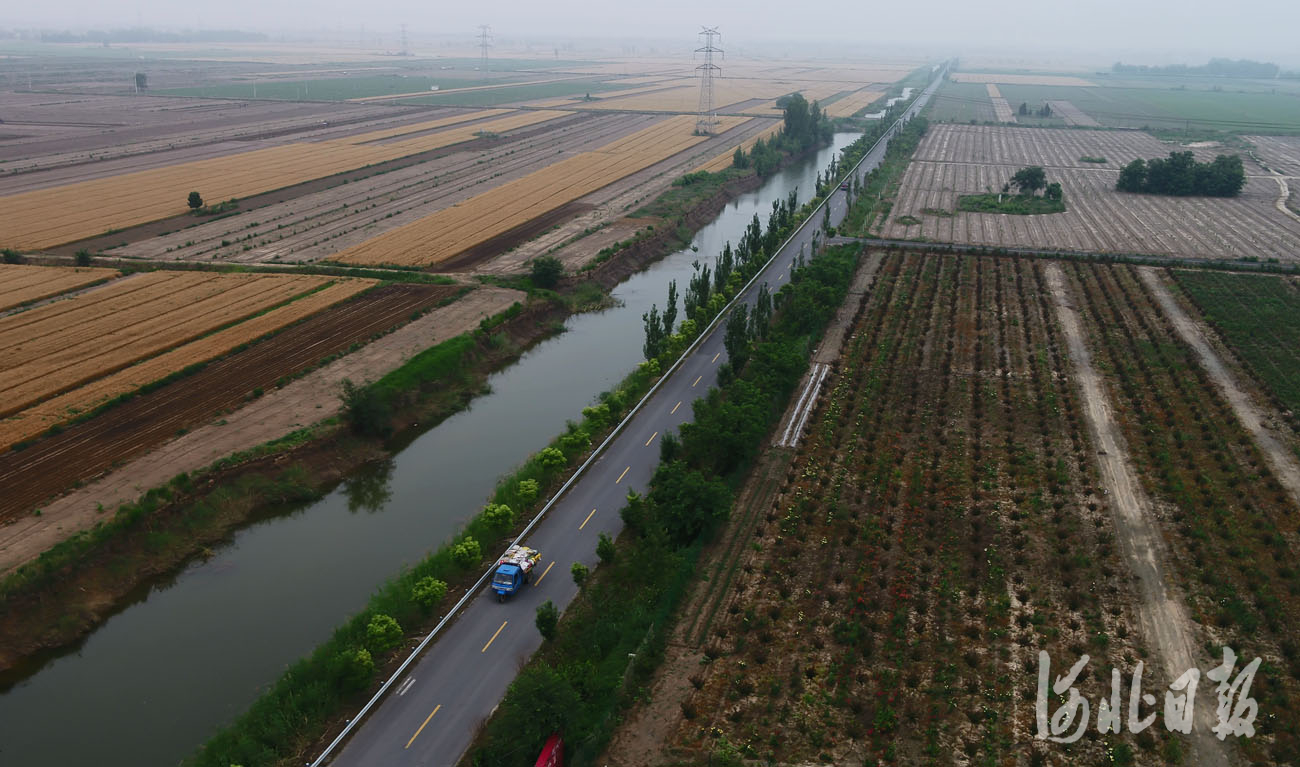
[146,35]
[1216,68]
[1182,176]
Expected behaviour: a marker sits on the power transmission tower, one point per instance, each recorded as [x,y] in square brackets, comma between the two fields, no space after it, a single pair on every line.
[484,42]
[708,119]
[406,51]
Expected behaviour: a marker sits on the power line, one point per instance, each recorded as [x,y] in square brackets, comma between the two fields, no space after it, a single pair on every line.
[708,118]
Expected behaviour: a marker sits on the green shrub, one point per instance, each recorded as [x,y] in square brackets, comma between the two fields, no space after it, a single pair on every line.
[579,571]
[548,617]
[383,633]
[428,591]
[605,548]
[82,258]
[528,490]
[499,516]
[546,271]
[551,458]
[366,409]
[467,553]
[352,669]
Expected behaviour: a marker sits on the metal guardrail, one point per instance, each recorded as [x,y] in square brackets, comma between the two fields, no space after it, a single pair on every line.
[704,334]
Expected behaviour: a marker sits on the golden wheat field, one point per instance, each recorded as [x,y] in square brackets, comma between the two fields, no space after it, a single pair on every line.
[48,217]
[67,344]
[41,416]
[853,102]
[21,283]
[448,232]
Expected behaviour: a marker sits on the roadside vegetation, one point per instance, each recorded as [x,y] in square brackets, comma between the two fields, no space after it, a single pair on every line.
[582,678]
[872,200]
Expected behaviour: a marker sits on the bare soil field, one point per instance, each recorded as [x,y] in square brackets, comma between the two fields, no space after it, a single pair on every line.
[21,284]
[1281,153]
[1073,115]
[84,450]
[980,77]
[45,130]
[1001,109]
[957,160]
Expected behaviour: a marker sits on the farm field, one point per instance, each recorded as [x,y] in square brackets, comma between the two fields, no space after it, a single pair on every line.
[1281,153]
[944,519]
[853,103]
[723,161]
[1258,317]
[956,160]
[941,523]
[342,88]
[22,284]
[86,449]
[67,356]
[443,235]
[1229,523]
[29,220]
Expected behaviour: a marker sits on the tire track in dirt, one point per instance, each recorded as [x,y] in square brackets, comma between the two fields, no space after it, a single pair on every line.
[1281,460]
[1165,620]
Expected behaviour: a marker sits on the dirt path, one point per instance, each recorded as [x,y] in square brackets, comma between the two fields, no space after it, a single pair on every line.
[1284,194]
[1254,417]
[301,403]
[1165,620]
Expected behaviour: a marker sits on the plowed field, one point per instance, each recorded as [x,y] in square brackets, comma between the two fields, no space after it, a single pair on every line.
[30,476]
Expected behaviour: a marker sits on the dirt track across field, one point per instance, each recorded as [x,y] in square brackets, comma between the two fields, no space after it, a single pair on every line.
[1163,609]
[300,403]
[1254,417]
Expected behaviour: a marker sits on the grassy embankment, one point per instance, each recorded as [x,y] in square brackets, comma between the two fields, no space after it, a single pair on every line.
[874,199]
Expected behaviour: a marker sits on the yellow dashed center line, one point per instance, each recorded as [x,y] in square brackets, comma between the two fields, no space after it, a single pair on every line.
[697,380]
[426,721]
[494,637]
[620,477]
[674,410]
[588,519]
[715,358]
[538,582]
[652,439]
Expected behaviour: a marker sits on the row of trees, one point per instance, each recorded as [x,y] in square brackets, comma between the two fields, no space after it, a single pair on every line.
[1181,175]
[710,288]
[1216,67]
[581,678]
[1029,180]
[1044,111]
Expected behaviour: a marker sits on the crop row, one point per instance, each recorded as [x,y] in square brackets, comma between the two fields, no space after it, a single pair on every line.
[723,161]
[853,102]
[1000,145]
[21,284]
[939,526]
[48,355]
[1259,317]
[446,233]
[1097,218]
[47,217]
[1230,523]
[47,413]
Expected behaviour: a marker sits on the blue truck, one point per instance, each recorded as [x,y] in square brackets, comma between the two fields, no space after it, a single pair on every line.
[514,569]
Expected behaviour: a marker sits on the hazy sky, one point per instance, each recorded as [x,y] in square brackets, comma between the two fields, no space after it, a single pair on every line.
[1179,29]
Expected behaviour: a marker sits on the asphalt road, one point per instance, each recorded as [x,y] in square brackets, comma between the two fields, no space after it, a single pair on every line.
[430,716]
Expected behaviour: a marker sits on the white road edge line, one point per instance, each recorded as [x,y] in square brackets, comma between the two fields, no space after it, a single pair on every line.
[704,334]
[410,680]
